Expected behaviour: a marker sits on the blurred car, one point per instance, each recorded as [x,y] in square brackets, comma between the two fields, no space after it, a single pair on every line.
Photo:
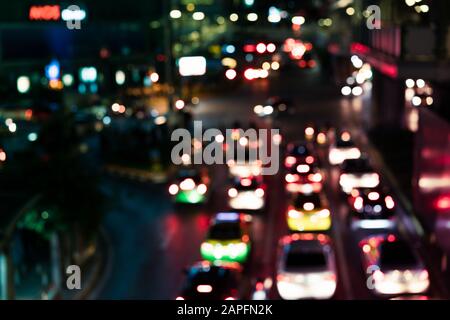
[393,267]
[306,267]
[190,186]
[228,238]
[371,209]
[298,153]
[208,281]
[247,193]
[357,173]
[309,213]
[343,149]
[304,178]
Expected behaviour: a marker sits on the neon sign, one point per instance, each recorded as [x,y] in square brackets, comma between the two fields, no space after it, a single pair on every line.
[55,13]
[45,13]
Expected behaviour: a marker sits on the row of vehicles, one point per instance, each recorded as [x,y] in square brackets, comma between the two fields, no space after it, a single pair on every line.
[392,265]
[306,266]
[225,251]
[227,247]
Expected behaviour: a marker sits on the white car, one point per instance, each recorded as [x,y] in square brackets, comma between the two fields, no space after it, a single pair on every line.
[393,267]
[357,173]
[247,194]
[306,267]
[343,149]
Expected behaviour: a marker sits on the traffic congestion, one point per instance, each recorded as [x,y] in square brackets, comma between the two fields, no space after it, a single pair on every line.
[250,150]
[305,266]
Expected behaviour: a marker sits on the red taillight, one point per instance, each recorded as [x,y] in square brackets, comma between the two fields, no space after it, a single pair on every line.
[442,203]
[260,286]
[249,48]
[391,238]
[290,161]
[317,177]
[330,277]
[230,298]
[179,298]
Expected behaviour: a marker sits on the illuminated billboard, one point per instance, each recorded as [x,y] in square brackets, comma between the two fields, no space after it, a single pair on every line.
[192,66]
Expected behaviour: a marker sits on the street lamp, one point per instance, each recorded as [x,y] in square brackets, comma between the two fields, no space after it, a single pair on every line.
[198,16]
[175,14]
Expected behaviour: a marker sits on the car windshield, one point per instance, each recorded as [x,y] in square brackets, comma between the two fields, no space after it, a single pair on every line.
[356,166]
[312,169]
[396,255]
[299,150]
[186,174]
[345,144]
[307,56]
[218,278]
[312,198]
[225,231]
[305,260]
[246,184]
